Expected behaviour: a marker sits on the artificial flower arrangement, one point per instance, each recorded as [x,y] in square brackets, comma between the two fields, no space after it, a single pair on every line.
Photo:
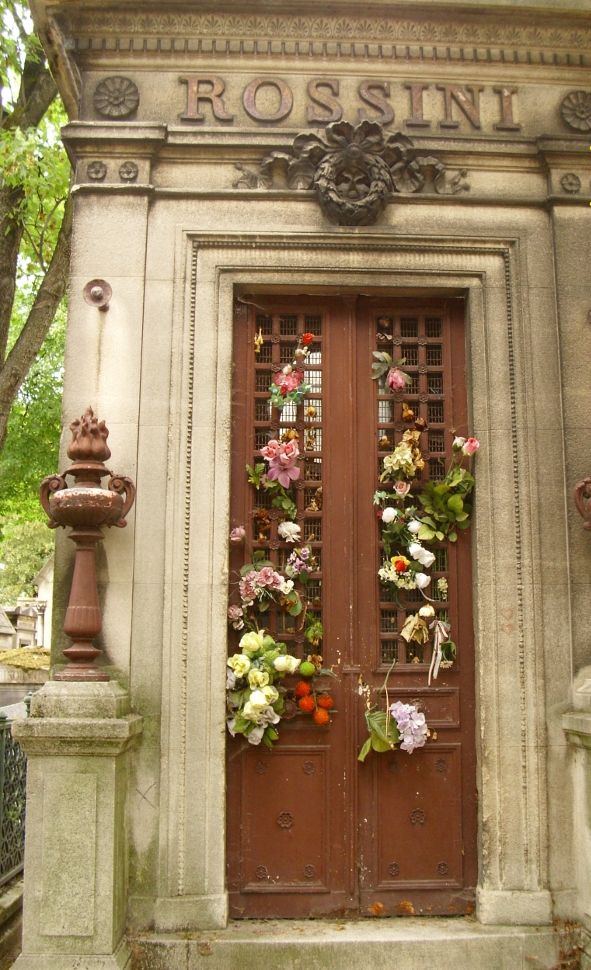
[288,384]
[409,524]
[258,693]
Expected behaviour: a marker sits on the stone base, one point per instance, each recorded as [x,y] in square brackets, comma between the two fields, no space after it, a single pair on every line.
[513,907]
[188,912]
[406,944]
[120,960]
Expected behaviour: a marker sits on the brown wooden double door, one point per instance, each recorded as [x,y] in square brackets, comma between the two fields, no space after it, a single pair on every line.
[311,831]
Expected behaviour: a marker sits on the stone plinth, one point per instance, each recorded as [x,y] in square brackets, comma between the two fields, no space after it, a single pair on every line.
[577,724]
[76,742]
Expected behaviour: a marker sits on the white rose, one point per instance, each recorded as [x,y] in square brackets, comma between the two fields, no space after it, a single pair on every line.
[257,678]
[251,643]
[427,612]
[256,735]
[422,580]
[458,443]
[258,699]
[290,531]
[286,586]
[250,712]
[286,664]
[389,514]
[422,555]
[413,526]
[239,664]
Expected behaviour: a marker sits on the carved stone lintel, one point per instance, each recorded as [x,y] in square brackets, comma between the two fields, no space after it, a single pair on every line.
[354,170]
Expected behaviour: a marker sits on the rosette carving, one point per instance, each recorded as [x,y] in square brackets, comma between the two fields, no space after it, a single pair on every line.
[576,110]
[355,169]
[116,97]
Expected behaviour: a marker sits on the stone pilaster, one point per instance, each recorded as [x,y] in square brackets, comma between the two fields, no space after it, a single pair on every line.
[76,742]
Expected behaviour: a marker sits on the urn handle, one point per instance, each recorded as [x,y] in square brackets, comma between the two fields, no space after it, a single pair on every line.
[49,485]
[583,500]
[123,486]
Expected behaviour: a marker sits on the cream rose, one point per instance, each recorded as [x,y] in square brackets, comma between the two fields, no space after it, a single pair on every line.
[286,664]
[251,643]
[239,664]
[257,678]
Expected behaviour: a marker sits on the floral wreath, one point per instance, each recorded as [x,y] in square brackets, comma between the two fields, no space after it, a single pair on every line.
[410,523]
[259,694]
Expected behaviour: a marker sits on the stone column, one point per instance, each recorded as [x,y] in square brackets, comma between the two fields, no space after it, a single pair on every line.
[77,741]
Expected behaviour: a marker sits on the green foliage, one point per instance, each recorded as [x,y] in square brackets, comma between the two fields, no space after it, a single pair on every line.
[17,42]
[35,160]
[32,442]
[24,548]
[383,733]
[446,505]
[34,164]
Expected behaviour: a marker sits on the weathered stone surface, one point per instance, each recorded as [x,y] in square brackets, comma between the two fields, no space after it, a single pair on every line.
[198,225]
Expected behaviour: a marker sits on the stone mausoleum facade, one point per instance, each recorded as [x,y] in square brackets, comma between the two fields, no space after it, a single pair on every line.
[244,173]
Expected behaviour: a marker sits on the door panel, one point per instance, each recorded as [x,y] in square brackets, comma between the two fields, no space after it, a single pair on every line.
[311,831]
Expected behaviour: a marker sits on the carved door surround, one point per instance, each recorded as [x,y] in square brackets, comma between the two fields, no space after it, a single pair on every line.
[508,646]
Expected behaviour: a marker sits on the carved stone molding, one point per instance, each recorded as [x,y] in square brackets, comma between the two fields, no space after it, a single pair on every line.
[354,170]
[346,30]
[583,501]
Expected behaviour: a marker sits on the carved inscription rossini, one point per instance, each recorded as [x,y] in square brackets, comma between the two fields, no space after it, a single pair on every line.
[271,100]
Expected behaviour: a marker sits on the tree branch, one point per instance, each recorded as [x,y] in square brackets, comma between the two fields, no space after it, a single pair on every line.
[40,318]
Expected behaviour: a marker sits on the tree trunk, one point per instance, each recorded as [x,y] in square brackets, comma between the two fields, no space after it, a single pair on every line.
[11,232]
[28,344]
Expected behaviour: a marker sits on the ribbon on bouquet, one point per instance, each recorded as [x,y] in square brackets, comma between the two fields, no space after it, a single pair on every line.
[440,636]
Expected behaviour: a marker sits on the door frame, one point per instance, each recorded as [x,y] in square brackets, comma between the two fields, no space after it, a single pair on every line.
[218,266]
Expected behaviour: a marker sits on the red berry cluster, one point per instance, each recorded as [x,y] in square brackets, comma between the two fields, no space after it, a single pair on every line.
[316,704]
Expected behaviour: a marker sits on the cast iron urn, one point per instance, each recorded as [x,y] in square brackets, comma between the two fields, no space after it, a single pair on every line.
[86,507]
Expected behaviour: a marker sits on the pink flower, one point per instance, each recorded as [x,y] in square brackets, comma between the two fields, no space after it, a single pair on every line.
[271,450]
[396,379]
[288,382]
[282,459]
[402,489]
[470,446]
[284,475]
[247,588]
[268,577]
[237,534]
[289,452]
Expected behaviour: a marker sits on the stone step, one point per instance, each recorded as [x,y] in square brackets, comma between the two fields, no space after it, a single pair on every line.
[381,944]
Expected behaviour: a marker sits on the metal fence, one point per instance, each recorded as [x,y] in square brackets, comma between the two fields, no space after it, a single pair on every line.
[13,776]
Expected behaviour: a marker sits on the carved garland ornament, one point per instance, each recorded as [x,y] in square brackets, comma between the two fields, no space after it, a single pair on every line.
[354,170]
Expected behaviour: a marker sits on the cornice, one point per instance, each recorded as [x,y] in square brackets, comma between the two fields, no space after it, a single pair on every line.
[178,31]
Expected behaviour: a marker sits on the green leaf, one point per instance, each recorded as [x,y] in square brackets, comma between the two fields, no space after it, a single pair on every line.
[365,749]
[455,504]
[426,533]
